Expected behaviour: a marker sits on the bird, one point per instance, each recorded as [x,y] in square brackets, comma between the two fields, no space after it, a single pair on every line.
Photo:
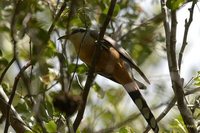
[113,63]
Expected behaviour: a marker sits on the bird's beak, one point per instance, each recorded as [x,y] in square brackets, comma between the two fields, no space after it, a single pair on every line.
[64,37]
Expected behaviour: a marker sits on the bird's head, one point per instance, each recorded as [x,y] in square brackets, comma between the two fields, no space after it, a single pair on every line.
[75,36]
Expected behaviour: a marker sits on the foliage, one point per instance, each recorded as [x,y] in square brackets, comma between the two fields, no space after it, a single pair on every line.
[25,36]
[174,4]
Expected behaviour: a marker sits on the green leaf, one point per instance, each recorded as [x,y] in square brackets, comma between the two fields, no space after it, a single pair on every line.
[116,10]
[51,127]
[174,4]
[108,116]
[197,84]
[126,130]
[102,18]
[3,63]
[50,51]
[28,131]
[84,17]
[80,68]
[6,87]
[197,79]
[37,128]
[114,96]
[49,107]
[123,130]
[98,90]
[22,107]
[4,28]
[1,53]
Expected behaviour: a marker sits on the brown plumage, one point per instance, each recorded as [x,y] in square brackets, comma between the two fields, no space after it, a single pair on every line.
[114,63]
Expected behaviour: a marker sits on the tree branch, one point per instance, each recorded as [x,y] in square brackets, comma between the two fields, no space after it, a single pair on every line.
[15,120]
[149,21]
[90,77]
[187,25]
[6,69]
[177,81]
[12,96]
[14,41]
[57,17]
[171,104]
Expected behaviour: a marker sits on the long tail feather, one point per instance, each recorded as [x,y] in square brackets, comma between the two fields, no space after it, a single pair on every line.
[142,105]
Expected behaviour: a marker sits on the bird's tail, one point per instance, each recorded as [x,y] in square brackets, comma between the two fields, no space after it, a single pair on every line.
[133,90]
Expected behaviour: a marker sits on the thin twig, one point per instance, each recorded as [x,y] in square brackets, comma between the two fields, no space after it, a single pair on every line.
[77,57]
[6,69]
[187,26]
[140,25]
[14,41]
[192,91]
[13,94]
[170,105]
[57,17]
[164,112]
[70,15]
[165,21]
[92,68]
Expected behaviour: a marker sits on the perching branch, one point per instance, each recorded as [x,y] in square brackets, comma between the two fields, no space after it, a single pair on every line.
[187,25]
[90,77]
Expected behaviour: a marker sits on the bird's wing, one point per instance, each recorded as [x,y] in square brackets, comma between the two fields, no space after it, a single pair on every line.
[109,42]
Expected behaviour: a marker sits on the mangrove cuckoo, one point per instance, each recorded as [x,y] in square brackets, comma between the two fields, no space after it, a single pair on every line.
[114,63]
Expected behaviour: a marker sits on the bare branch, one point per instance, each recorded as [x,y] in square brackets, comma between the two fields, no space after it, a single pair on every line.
[171,104]
[165,21]
[177,81]
[187,25]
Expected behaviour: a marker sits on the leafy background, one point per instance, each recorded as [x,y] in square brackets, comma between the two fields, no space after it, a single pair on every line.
[136,25]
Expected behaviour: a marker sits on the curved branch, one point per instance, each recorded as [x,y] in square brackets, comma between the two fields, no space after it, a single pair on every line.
[13,94]
[57,17]
[6,69]
[176,80]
